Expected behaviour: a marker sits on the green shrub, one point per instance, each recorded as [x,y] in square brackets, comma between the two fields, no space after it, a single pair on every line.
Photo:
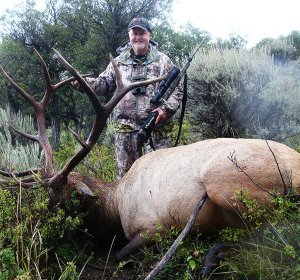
[271,251]
[241,93]
[16,153]
[282,49]
[186,262]
[99,163]
[31,236]
[30,233]
[69,272]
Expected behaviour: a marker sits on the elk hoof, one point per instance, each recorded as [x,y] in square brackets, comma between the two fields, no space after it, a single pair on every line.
[207,270]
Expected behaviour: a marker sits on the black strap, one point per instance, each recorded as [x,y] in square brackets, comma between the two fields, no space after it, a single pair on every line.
[184,100]
[151,143]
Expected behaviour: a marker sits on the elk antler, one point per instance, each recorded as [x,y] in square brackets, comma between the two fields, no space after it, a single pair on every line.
[50,178]
[102,113]
[40,108]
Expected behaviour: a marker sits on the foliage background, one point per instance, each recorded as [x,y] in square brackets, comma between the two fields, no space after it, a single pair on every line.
[233,92]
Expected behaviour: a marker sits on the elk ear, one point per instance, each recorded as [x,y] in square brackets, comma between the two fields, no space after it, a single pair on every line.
[83,189]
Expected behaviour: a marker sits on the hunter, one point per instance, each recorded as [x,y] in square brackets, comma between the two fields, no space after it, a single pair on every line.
[138,59]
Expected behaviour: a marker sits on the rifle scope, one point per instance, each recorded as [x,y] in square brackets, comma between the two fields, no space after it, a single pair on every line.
[169,80]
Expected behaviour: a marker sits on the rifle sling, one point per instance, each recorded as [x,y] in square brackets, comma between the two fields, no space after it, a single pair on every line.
[184,100]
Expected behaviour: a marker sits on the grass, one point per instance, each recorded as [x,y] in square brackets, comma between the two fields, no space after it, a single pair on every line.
[270,252]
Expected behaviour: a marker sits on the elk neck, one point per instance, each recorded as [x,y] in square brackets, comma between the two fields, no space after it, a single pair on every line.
[102,209]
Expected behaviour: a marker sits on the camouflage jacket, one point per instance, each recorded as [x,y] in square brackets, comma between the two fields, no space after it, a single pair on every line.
[135,107]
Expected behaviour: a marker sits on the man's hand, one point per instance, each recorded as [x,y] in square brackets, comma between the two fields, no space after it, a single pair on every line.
[75,84]
[162,115]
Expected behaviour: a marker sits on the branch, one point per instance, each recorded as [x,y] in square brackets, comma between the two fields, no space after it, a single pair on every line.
[281,176]
[233,159]
[177,242]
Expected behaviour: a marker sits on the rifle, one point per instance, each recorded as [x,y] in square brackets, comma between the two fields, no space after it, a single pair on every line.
[166,89]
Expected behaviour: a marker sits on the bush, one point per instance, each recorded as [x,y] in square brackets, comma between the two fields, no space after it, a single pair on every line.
[17,153]
[270,251]
[31,236]
[99,162]
[241,93]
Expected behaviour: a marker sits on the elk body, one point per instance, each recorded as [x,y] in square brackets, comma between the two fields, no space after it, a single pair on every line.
[163,187]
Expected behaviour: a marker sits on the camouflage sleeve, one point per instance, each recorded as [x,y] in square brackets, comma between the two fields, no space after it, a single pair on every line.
[174,101]
[105,82]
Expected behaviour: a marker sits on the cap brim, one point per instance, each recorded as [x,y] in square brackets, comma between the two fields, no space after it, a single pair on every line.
[137,26]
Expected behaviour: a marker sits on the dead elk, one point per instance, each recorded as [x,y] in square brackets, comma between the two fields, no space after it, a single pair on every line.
[164,187]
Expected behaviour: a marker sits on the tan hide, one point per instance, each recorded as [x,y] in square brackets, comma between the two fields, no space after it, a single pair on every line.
[163,187]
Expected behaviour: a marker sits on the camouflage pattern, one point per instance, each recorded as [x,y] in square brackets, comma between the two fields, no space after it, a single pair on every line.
[128,149]
[134,108]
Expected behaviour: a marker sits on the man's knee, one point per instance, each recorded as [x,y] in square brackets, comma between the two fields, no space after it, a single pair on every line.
[127,151]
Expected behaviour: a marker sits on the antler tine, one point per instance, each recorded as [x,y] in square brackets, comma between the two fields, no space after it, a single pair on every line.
[98,126]
[81,142]
[49,87]
[19,174]
[122,89]
[66,81]
[22,173]
[24,134]
[39,108]
[85,86]
[119,82]
[28,97]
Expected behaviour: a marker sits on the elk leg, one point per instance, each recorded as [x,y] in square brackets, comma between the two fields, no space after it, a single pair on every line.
[135,243]
[216,254]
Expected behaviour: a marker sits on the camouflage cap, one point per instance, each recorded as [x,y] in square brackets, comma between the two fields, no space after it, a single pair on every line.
[140,23]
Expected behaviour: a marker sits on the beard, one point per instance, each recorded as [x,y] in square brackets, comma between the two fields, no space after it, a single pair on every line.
[140,48]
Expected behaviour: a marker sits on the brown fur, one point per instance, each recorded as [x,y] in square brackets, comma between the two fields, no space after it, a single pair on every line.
[163,187]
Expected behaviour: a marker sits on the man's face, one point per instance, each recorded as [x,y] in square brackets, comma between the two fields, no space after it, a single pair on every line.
[139,39]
